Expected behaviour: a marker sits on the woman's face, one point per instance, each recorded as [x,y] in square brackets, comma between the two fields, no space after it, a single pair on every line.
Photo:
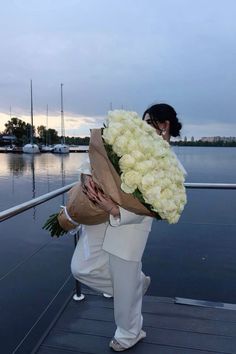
[162,128]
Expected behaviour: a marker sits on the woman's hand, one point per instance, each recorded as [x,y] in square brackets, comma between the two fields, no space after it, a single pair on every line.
[88,186]
[98,197]
[107,204]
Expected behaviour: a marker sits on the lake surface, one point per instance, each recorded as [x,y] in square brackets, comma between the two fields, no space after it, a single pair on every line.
[194,259]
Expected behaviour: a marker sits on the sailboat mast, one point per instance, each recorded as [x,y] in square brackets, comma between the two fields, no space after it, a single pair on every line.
[62,118]
[46,136]
[47,117]
[32,117]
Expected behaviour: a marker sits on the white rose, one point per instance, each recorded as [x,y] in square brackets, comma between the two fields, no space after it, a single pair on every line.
[126,188]
[126,162]
[116,116]
[173,218]
[109,135]
[131,179]
[131,146]
[148,180]
[151,194]
[120,146]
[160,152]
[168,205]
[137,155]
[167,194]
[127,134]
[118,126]
[144,167]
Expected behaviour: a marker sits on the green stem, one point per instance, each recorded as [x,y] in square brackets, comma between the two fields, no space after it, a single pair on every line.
[52,225]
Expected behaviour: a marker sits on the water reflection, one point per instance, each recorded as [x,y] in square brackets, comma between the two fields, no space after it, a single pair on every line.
[63,176]
[33,182]
[33,175]
[23,176]
[21,164]
[17,164]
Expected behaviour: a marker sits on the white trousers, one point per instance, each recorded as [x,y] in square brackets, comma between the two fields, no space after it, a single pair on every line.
[122,279]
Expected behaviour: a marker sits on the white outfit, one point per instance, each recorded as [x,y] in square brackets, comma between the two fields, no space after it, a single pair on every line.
[117,271]
[107,258]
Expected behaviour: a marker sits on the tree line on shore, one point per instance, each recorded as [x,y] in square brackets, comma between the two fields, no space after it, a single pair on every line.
[22,133]
[21,130]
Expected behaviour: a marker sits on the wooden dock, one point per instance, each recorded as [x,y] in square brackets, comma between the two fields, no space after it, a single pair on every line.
[88,326]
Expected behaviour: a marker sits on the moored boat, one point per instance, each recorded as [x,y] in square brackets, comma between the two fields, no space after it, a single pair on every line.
[31,149]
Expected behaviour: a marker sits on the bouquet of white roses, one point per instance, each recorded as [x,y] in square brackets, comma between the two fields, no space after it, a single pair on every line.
[148,168]
[135,167]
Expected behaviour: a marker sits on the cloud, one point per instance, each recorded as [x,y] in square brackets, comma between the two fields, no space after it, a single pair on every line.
[75,125]
[178,52]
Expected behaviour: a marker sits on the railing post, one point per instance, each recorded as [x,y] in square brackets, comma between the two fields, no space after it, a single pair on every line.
[78,296]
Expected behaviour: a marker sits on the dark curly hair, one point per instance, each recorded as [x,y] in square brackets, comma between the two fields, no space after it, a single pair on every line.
[161,112]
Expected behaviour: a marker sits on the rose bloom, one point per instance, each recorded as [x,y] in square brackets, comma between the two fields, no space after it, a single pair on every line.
[120,146]
[148,180]
[109,135]
[137,155]
[144,167]
[131,146]
[126,161]
[131,179]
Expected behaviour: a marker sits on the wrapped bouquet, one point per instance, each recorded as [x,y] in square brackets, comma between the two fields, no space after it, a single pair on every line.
[135,167]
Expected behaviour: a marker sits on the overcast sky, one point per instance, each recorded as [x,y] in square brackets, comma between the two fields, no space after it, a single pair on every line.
[129,52]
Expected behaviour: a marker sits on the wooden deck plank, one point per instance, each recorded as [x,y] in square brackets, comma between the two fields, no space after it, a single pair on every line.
[191,311]
[168,320]
[87,326]
[99,345]
[174,338]
[80,324]
[50,350]
[72,319]
[155,305]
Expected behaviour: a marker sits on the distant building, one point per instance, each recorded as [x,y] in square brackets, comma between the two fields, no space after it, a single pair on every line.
[215,139]
[7,139]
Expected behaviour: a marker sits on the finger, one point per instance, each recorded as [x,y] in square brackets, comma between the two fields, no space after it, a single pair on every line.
[103,197]
[100,198]
[91,197]
[92,193]
[92,189]
[91,183]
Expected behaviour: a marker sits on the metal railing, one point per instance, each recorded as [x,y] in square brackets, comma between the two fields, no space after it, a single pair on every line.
[210,185]
[11,212]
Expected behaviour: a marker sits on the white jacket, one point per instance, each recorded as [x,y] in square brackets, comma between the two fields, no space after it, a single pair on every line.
[125,237]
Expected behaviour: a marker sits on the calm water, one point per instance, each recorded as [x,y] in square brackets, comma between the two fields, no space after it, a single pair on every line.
[195,258]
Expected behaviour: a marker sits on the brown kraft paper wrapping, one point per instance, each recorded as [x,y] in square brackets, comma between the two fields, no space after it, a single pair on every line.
[80,208]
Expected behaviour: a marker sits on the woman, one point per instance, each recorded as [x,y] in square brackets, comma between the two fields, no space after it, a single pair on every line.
[108,256]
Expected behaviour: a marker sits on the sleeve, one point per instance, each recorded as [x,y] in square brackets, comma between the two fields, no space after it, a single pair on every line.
[85,167]
[126,217]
